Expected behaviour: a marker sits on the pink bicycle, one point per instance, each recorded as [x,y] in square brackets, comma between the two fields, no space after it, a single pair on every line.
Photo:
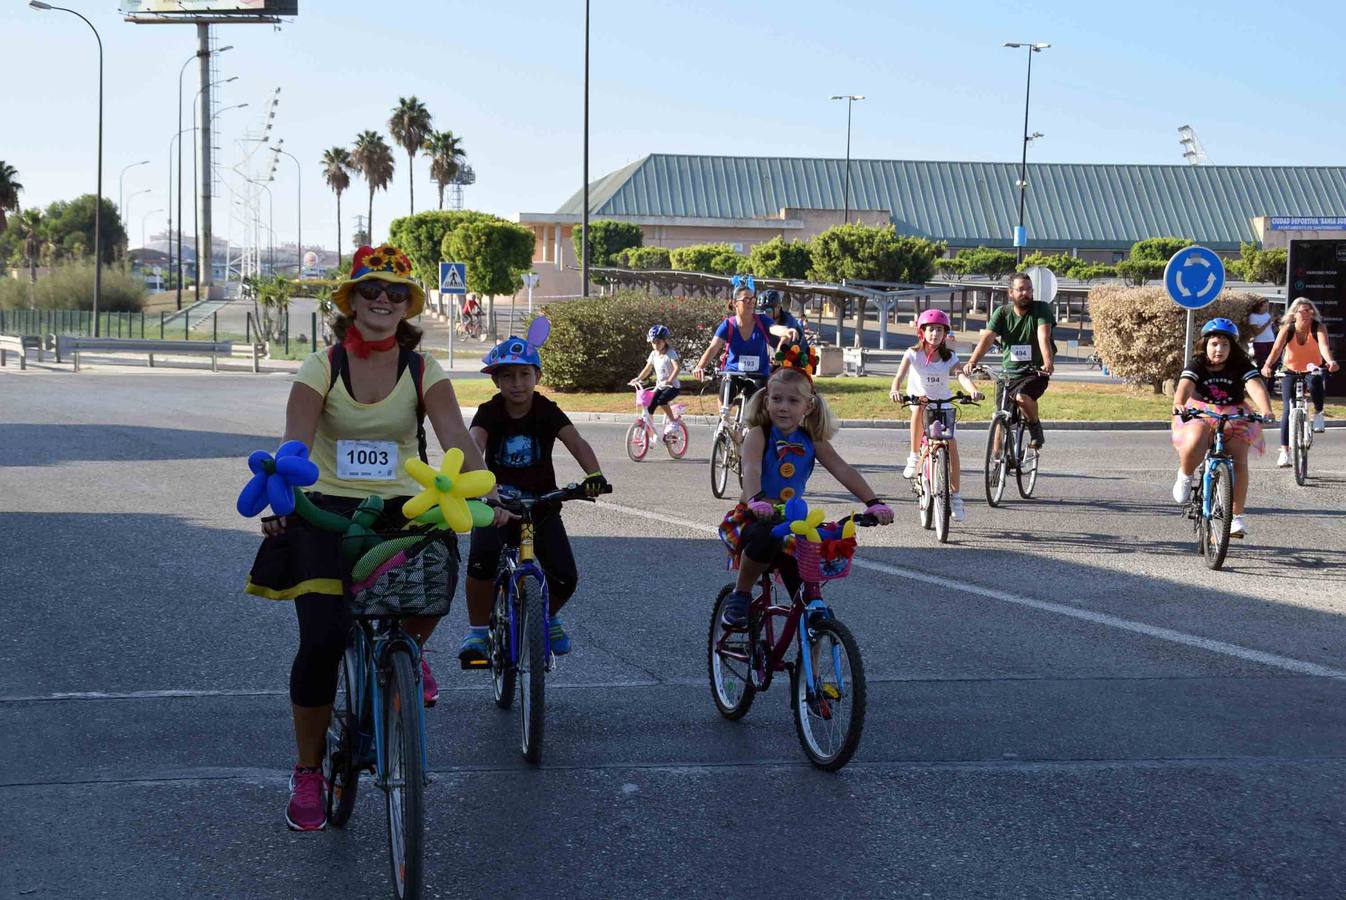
[643,433]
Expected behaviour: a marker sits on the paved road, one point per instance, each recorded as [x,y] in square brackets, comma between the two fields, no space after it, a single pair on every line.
[1063,701]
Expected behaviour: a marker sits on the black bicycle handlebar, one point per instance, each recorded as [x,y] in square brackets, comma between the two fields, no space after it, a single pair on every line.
[919,400]
[516,501]
[1191,413]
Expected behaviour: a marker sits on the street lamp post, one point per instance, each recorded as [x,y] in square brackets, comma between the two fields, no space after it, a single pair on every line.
[584,227]
[142,229]
[194,56]
[121,184]
[850,99]
[1020,237]
[299,206]
[196,227]
[98,197]
[126,213]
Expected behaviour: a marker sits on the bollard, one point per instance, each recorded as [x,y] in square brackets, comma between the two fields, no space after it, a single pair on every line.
[247,328]
[287,332]
[215,327]
[162,315]
[313,330]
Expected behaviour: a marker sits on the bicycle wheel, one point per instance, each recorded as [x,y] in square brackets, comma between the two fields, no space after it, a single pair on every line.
[942,499]
[1221,514]
[497,637]
[925,503]
[830,714]
[997,449]
[721,458]
[1026,472]
[404,771]
[676,443]
[729,663]
[532,670]
[341,762]
[637,441]
[1299,450]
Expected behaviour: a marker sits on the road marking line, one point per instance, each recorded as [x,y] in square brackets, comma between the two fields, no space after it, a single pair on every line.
[1173,636]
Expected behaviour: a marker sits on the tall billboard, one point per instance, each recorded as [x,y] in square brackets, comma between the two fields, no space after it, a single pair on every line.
[1317,269]
[191,8]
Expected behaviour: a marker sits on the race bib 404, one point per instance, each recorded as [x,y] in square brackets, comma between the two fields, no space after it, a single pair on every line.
[367,460]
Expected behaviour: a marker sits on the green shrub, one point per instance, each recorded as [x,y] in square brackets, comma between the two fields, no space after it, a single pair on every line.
[70,286]
[779,258]
[644,258]
[421,237]
[1092,271]
[951,267]
[599,344]
[873,253]
[607,238]
[1139,330]
[715,259]
[987,261]
[1254,264]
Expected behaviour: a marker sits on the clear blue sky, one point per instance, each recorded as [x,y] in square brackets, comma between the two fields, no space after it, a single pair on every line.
[748,77]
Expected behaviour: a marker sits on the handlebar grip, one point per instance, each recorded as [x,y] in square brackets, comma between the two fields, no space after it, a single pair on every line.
[865,520]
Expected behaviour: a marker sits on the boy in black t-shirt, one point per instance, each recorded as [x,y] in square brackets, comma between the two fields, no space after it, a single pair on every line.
[516,431]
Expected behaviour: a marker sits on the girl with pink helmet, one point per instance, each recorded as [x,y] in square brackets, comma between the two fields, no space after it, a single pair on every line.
[928,368]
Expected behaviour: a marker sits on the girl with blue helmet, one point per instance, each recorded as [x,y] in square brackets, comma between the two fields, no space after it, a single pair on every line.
[664,363]
[1221,379]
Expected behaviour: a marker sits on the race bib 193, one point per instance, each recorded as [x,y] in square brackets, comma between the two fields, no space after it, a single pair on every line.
[748,363]
[367,460]
[1021,352]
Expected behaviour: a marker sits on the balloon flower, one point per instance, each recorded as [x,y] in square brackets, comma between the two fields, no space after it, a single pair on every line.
[795,510]
[275,479]
[449,490]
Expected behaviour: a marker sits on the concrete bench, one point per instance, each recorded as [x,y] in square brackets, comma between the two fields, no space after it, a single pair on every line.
[73,346]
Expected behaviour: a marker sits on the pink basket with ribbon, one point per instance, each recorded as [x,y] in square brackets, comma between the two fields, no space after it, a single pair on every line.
[825,561]
[643,397]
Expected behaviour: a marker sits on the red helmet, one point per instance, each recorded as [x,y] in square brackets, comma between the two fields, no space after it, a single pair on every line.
[933,317]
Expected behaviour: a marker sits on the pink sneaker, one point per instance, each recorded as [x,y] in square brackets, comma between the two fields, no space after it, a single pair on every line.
[430,687]
[306,811]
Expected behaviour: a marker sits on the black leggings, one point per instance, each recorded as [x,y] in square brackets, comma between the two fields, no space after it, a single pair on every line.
[734,383]
[761,546]
[551,545]
[324,624]
[660,397]
[1315,386]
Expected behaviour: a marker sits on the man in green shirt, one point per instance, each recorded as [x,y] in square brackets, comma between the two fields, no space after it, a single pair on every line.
[1024,329]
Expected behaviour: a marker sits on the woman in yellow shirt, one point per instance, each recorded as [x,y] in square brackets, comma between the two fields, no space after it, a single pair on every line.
[359,407]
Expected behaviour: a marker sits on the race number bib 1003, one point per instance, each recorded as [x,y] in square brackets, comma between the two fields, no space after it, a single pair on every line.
[1021,352]
[367,460]
[749,363]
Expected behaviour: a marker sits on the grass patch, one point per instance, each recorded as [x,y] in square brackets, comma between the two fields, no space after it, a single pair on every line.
[867,398]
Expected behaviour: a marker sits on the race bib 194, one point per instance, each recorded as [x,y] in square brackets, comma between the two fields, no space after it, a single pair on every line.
[367,460]
[748,363]
[1021,352]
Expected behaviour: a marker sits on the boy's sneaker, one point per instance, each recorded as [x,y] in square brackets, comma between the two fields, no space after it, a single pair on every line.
[1319,423]
[474,652]
[956,507]
[429,687]
[1182,487]
[735,614]
[557,637]
[1237,529]
[1035,436]
[1283,459]
[306,811]
[910,470]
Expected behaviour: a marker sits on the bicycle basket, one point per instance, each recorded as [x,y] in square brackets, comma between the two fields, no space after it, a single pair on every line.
[417,579]
[825,561]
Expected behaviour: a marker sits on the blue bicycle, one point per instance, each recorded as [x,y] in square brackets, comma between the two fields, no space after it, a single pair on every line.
[519,636]
[1211,506]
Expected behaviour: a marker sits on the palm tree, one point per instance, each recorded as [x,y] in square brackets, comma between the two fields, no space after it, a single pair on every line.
[31,227]
[336,171]
[374,159]
[409,126]
[446,158]
[9,191]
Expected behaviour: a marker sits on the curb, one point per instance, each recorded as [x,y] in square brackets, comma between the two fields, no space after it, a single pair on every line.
[1062,425]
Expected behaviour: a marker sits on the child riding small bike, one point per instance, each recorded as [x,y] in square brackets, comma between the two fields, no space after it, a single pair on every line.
[665,365]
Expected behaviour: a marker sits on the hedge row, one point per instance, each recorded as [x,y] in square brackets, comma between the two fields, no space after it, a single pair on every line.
[599,344]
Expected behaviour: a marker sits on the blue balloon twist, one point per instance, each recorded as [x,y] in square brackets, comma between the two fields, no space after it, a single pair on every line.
[274,479]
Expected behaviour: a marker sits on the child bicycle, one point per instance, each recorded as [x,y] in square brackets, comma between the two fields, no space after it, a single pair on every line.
[519,634]
[642,432]
[1211,506]
[1007,441]
[725,445]
[933,485]
[827,676]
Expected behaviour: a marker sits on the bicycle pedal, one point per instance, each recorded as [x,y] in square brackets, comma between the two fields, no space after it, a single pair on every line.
[831,692]
[474,664]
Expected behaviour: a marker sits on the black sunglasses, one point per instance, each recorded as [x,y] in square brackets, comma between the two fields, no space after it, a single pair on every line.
[370,290]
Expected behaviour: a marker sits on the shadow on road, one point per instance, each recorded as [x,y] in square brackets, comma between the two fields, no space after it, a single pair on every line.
[52,445]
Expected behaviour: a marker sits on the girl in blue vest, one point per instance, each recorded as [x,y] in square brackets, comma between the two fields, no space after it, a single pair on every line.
[789,429]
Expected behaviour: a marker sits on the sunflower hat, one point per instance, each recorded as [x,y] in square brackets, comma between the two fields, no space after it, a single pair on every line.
[386,263]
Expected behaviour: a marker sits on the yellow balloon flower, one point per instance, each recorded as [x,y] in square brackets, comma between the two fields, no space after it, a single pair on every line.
[807,527]
[449,489]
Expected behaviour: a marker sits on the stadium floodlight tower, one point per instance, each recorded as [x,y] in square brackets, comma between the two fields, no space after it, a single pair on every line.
[1192,151]
[203,14]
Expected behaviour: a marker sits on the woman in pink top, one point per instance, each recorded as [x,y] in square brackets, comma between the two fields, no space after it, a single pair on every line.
[1303,337]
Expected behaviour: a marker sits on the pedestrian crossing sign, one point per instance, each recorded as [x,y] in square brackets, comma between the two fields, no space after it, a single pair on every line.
[453,278]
